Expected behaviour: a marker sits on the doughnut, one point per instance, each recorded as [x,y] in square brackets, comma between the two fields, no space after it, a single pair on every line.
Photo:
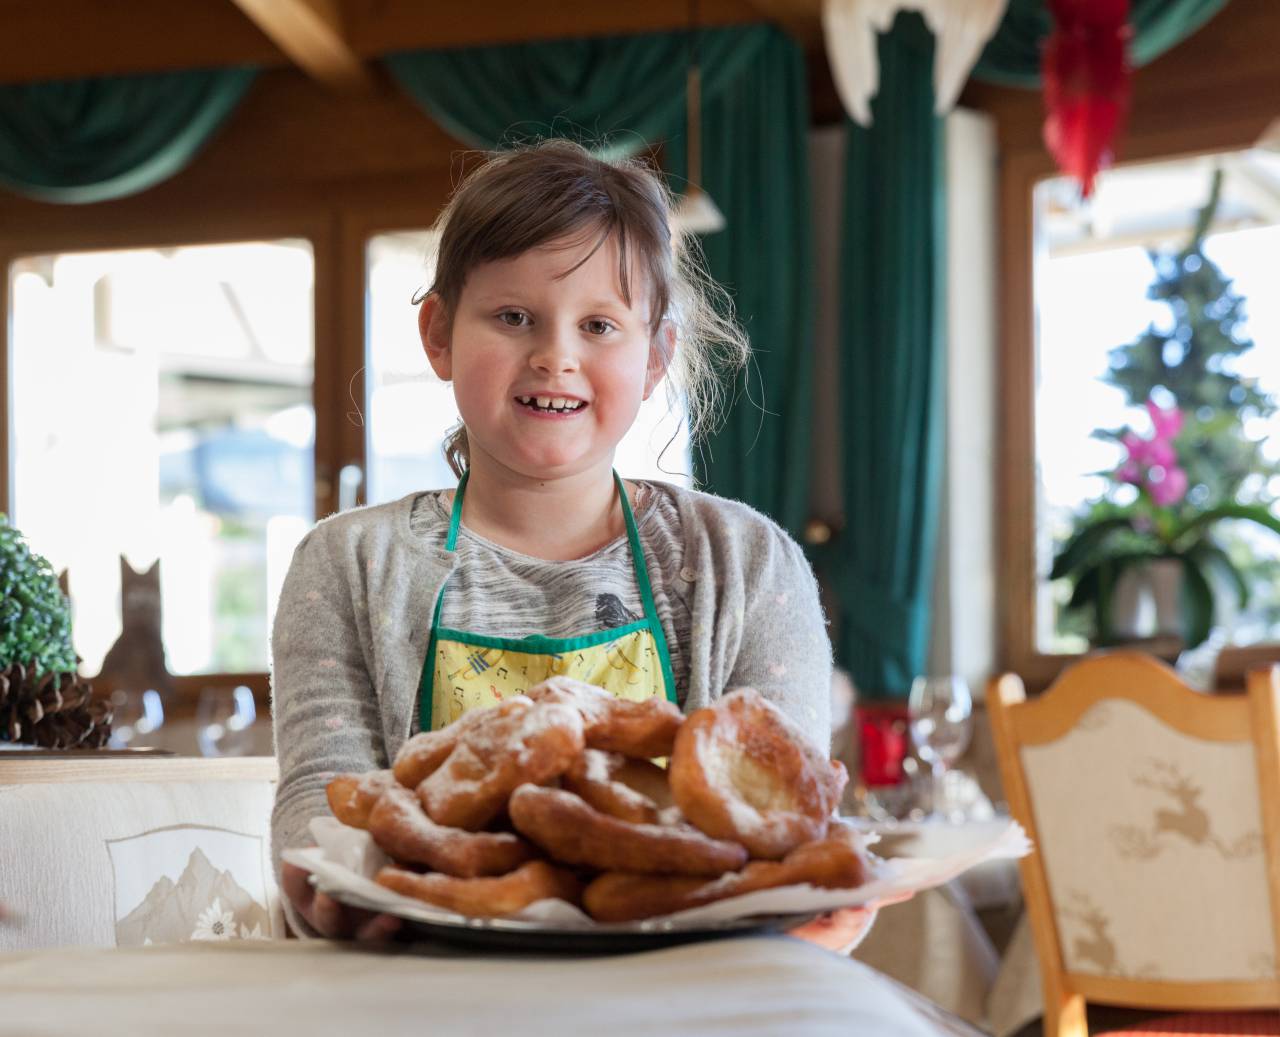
[352,796]
[512,743]
[624,897]
[631,790]
[742,770]
[574,832]
[644,729]
[402,829]
[486,898]
[424,752]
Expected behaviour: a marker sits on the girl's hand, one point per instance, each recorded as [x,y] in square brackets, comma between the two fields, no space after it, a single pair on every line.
[838,929]
[330,918]
[843,929]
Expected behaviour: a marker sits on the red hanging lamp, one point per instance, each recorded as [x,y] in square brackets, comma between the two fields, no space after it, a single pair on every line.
[1087,84]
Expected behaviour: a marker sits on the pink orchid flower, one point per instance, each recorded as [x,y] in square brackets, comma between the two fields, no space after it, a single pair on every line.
[1136,447]
[1160,452]
[1169,490]
[1167,423]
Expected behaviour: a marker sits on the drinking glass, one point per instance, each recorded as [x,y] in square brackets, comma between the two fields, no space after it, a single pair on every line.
[224,721]
[135,714]
[940,709]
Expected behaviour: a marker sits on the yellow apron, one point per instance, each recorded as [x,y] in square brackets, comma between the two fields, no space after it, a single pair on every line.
[465,671]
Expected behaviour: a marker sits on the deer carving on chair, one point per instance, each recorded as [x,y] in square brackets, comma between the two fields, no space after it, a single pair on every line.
[1189,820]
[1097,948]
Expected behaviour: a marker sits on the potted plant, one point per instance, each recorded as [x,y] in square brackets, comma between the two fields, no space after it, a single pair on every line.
[43,702]
[1157,527]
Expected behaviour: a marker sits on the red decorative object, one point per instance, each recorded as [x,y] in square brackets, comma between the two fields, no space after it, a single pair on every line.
[1086,84]
[882,733]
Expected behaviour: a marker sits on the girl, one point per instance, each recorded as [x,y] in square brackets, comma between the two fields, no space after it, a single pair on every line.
[561,301]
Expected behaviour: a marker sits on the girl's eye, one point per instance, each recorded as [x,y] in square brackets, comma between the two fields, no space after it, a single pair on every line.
[598,327]
[513,318]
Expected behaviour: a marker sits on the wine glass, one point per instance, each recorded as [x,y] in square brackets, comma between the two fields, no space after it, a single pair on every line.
[940,709]
[224,720]
[135,714]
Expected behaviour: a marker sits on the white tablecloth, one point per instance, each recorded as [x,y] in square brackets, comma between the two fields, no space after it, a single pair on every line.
[753,985]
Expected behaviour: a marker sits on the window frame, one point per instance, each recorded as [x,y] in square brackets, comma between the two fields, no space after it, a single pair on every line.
[337,241]
[1020,172]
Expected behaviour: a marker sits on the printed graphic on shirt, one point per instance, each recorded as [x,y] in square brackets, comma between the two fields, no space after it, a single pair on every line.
[611,612]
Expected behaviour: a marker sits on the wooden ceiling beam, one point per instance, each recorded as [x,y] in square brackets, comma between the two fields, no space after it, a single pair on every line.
[70,39]
[311,33]
[64,39]
[385,26]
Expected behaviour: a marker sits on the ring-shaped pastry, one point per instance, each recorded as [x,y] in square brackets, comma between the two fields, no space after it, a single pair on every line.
[353,796]
[622,787]
[573,832]
[645,729]
[401,828]
[625,897]
[742,770]
[515,742]
[486,898]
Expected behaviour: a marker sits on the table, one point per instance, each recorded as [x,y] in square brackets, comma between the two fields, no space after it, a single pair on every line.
[744,986]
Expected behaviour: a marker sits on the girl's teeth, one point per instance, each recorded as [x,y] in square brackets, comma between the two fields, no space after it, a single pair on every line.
[556,403]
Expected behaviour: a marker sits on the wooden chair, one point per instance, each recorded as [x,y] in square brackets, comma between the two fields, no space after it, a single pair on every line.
[1155,812]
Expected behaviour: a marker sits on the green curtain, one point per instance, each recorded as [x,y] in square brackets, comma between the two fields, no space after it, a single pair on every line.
[1012,57]
[755,166]
[892,373]
[630,92]
[91,140]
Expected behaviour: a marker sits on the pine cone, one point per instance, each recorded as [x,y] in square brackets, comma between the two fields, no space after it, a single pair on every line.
[54,711]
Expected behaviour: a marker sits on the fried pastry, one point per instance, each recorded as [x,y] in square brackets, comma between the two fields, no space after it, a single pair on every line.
[572,831]
[401,828]
[617,785]
[644,730]
[486,897]
[352,796]
[625,897]
[515,742]
[742,770]
[422,754]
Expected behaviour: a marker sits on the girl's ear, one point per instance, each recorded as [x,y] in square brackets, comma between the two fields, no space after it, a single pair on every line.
[433,327]
[662,351]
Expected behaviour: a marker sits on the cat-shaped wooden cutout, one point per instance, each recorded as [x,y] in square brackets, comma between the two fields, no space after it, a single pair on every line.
[137,659]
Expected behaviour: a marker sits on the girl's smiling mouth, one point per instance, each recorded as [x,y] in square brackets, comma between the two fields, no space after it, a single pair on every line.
[553,406]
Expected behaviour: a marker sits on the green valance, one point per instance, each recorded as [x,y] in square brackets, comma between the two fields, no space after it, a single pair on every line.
[587,89]
[1012,58]
[91,140]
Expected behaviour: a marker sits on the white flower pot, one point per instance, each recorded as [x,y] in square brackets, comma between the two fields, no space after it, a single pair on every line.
[1164,577]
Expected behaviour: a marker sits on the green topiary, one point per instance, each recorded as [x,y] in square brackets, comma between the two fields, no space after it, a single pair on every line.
[35,616]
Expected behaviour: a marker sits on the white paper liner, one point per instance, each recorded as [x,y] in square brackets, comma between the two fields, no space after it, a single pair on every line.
[345,860]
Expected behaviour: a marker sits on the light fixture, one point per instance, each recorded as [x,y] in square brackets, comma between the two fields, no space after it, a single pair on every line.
[695,212]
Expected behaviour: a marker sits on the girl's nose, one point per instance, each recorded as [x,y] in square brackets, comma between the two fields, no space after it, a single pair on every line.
[554,353]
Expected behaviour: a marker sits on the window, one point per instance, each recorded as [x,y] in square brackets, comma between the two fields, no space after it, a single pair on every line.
[410,411]
[1095,263]
[161,408]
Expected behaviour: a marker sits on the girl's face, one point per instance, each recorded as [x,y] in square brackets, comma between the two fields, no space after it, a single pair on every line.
[549,366]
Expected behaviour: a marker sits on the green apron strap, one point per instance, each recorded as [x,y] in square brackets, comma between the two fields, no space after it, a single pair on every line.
[426,684]
[646,592]
[455,515]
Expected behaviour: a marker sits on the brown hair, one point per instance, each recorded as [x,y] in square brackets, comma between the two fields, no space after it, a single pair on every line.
[538,193]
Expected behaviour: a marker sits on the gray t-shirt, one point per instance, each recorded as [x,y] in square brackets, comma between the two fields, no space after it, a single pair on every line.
[502,593]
